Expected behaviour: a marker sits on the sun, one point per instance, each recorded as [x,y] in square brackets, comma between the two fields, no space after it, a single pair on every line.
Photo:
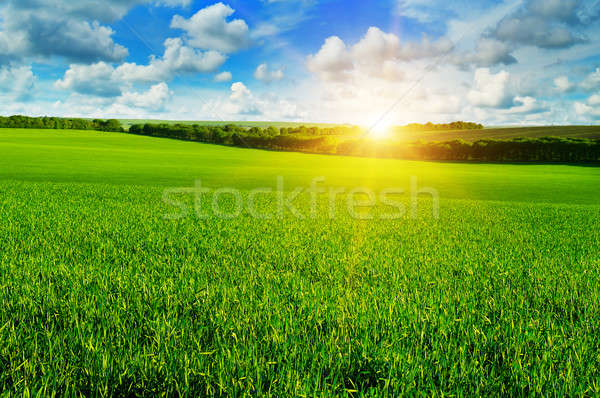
[380,131]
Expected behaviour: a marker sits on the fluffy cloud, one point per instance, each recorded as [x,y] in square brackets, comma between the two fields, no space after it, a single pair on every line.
[223,77]
[153,99]
[102,79]
[97,79]
[376,47]
[16,82]
[104,11]
[592,81]
[547,24]
[519,30]
[562,10]
[491,91]
[332,61]
[489,52]
[498,92]
[42,34]
[242,104]
[563,85]
[264,74]
[377,54]
[239,91]
[43,29]
[594,100]
[526,106]
[133,104]
[177,59]
[209,29]
[589,109]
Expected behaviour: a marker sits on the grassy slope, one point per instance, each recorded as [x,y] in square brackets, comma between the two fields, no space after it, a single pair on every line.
[100,294]
[72,156]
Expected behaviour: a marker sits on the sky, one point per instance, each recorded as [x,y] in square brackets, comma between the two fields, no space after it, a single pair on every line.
[382,62]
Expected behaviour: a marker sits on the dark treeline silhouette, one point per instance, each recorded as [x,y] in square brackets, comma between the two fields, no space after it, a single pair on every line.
[293,139]
[545,150]
[205,132]
[444,126]
[549,149]
[59,123]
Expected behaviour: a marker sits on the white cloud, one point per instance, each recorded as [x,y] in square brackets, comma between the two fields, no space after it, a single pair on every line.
[378,55]
[223,77]
[332,61]
[590,109]
[177,59]
[209,29]
[16,82]
[592,81]
[547,24]
[46,34]
[490,91]
[564,10]
[518,30]
[242,104]
[97,79]
[264,74]
[594,100]
[239,91]
[139,104]
[489,52]
[587,111]
[526,106]
[105,11]
[377,47]
[75,30]
[563,85]
[153,99]
[102,79]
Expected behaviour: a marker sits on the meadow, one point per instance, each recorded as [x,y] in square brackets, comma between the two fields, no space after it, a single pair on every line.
[102,295]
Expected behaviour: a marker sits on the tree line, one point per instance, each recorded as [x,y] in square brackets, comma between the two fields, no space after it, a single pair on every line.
[341,140]
[543,150]
[285,138]
[58,123]
[548,149]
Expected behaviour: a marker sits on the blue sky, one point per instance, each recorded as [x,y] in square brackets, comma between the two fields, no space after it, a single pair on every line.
[348,61]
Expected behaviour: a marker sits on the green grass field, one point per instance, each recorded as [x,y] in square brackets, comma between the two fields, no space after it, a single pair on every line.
[102,295]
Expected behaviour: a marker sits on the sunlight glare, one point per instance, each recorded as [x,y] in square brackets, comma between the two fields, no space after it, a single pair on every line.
[380,131]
